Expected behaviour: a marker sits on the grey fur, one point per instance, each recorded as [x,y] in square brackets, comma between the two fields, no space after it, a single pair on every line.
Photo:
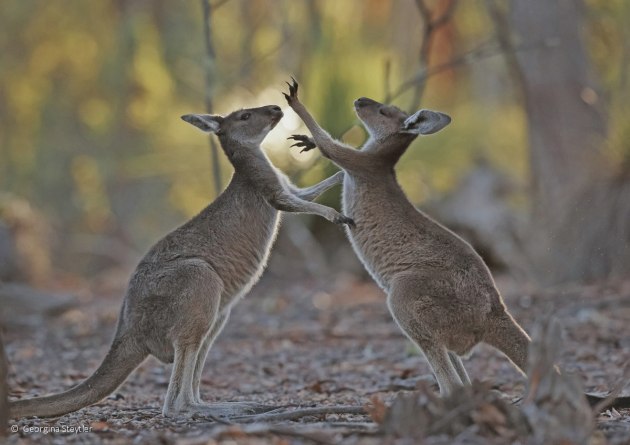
[180,295]
[440,291]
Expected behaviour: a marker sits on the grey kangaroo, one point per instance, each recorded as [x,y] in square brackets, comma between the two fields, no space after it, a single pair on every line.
[439,290]
[180,295]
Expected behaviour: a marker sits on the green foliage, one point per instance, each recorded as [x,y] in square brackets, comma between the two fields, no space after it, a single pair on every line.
[91,94]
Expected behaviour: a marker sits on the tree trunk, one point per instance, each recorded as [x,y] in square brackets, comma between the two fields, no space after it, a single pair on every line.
[580,224]
[565,125]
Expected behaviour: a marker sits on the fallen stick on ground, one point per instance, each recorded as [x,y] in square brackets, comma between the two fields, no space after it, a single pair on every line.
[319,432]
[299,413]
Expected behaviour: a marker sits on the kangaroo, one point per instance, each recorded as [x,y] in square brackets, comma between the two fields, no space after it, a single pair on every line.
[181,293]
[439,290]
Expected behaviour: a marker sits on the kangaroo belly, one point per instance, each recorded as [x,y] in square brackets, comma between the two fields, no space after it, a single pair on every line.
[379,240]
[247,259]
[382,256]
[391,236]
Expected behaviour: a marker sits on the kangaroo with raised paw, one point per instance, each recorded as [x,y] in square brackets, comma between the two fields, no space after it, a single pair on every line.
[439,290]
[180,295]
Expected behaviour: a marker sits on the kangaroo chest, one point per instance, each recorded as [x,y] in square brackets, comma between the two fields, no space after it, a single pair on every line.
[383,241]
[242,256]
[234,235]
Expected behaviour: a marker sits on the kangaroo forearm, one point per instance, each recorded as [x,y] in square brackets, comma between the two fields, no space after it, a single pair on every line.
[330,148]
[291,203]
[312,192]
[294,204]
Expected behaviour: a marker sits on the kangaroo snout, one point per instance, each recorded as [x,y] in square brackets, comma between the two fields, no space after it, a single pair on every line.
[363,101]
[276,110]
[276,113]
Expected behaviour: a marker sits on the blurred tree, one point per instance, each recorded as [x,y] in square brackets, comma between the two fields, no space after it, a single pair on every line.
[581,213]
[432,22]
[566,119]
[210,68]
[90,98]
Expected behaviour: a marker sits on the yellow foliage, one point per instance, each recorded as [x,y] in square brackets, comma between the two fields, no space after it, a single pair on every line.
[90,191]
[100,87]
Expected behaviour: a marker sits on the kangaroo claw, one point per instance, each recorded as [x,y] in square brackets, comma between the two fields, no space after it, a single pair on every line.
[302,141]
[292,97]
[342,219]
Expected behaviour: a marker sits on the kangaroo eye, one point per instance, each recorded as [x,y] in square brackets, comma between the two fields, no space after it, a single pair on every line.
[382,112]
[245,116]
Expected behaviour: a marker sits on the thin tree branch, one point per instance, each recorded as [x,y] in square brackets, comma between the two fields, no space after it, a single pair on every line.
[425,12]
[503,36]
[210,78]
[483,51]
[446,16]
[431,26]
[387,74]
[253,62]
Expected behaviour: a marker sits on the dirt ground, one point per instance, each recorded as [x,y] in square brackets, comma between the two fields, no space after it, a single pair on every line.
[306,344]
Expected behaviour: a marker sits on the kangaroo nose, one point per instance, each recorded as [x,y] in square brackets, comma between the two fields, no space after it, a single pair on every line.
[362,101]
[276,113]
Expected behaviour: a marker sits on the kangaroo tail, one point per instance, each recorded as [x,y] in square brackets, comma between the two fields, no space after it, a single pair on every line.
[123,357]
[508,336]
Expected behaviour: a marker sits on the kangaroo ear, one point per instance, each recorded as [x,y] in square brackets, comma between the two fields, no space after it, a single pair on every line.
[426,122]
[205,122]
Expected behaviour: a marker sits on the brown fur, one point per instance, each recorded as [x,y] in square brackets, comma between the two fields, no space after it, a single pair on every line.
[180,295]
[440,291]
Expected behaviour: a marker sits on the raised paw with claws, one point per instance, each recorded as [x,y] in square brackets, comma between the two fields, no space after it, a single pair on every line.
[304,142]
[292,97]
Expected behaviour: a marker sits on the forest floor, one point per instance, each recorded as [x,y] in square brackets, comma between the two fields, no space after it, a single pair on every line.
[304,344]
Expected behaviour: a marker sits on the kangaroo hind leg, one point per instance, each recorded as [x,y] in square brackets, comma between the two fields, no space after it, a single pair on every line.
[218,326]
[413,305]
[445,373]
[195,289]
[459,367]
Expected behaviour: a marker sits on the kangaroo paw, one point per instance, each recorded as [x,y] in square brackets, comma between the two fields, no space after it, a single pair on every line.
[304,142]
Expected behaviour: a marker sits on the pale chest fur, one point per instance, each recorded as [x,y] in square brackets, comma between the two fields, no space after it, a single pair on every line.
[247,266]
[241,256]
[233,235]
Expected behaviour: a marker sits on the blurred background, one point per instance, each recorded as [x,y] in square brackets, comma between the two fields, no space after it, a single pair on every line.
[95,164]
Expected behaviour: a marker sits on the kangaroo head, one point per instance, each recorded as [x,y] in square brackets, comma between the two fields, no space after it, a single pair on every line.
[384,121]
[244,127]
